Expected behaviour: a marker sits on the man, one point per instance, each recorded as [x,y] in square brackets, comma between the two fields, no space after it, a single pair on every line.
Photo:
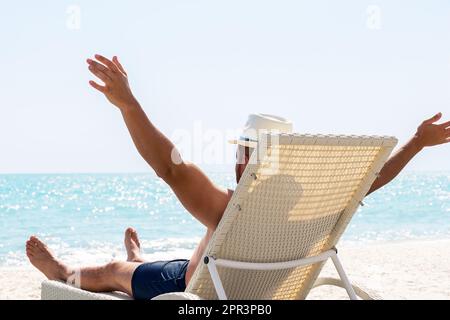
[197,193]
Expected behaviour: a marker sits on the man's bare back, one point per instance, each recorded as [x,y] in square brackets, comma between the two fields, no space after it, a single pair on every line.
[198,253]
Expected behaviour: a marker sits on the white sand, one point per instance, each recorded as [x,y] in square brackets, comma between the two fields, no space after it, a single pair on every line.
[407,270]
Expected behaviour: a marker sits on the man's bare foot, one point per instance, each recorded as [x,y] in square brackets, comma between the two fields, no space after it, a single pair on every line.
[133,246]
[41,257]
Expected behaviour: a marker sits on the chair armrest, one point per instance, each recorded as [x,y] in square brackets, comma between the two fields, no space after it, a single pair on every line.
[360,291]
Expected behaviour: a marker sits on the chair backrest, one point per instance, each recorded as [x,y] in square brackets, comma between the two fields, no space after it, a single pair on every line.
[294,200]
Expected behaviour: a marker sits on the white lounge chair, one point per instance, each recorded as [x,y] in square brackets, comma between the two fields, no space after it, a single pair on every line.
[294,201]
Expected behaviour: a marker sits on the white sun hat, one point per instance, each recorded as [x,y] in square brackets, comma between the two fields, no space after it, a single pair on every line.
[261,123]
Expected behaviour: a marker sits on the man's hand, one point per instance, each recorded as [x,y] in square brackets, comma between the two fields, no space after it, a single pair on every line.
[116,87]
[430,134]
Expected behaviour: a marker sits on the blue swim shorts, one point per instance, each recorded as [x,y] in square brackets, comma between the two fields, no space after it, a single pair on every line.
[152,279]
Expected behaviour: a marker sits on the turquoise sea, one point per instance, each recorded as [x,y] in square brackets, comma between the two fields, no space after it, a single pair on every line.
[83,216]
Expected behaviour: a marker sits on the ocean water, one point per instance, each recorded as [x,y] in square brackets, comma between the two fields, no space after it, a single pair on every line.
[82,217]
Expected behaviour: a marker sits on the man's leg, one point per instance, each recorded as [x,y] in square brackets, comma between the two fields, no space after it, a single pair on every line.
[114,276]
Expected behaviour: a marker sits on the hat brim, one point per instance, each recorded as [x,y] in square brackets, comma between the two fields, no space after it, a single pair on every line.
[244,143]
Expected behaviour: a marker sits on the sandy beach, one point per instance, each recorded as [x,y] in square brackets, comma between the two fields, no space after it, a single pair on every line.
[405,270]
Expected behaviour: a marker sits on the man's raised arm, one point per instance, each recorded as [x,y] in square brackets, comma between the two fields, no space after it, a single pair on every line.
[428,134]
[197,193]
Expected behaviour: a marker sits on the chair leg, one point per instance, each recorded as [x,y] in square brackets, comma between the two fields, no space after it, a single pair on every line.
[212,268]
[343,276]
[361,291]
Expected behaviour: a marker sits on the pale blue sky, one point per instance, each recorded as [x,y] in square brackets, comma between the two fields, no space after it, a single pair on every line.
[315,62]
